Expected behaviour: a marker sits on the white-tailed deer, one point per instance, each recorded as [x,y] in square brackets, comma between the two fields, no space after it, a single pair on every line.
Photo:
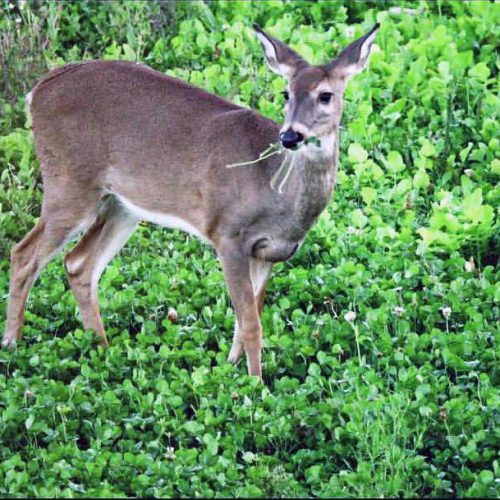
[119,142]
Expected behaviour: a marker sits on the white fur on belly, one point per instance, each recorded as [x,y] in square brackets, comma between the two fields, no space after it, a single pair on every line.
[165,220]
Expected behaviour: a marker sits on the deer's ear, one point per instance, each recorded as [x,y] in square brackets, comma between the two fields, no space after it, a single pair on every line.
[354,58]
[280,58]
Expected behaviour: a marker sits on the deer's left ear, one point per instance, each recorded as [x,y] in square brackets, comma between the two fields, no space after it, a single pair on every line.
[354,58]
[279,56]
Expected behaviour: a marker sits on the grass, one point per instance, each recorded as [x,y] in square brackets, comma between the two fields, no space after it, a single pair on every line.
[381,354]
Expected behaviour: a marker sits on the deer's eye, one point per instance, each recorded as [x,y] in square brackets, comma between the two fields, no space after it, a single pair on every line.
[325,97]
[286,95]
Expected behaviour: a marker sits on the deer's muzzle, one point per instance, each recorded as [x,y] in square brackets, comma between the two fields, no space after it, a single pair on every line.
[290,139]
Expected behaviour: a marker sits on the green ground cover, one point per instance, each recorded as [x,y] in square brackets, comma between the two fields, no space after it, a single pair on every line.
[401,401]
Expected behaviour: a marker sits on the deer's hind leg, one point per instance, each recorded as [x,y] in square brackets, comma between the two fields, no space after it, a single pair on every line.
[88,259]
[56,226]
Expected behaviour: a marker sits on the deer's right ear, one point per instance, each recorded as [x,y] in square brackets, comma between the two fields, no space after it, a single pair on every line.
[280,58]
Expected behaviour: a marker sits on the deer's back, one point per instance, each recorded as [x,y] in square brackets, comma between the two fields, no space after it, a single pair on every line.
[88,116]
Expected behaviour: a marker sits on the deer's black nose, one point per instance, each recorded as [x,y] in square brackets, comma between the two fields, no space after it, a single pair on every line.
[290,138]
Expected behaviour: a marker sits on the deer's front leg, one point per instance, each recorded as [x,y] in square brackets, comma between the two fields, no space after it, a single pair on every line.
[236,267]
[259,274]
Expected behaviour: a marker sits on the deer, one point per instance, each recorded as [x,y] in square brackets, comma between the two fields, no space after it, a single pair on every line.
[120,143]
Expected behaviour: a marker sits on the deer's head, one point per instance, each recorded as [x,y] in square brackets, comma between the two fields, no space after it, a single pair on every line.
[314,94]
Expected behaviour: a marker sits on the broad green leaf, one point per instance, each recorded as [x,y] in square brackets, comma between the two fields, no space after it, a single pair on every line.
[394,162]
[428,149]
[403,186]
[480,71]
[368,194]
[421,179]
[358,218]
[357,153]
[129,53]
[313,474]
[194,427]
[486,476]
[249,457]
[495,166]
[211,443]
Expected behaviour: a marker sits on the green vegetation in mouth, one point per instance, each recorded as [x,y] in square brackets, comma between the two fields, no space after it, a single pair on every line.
[283,172]
[313,140]
[273,149]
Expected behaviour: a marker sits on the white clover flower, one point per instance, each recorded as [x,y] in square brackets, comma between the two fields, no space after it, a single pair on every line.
[349,31]
[398,311]
[468,172]
[172,315]
[18,20]
[446,311]
[402,10]
[470,266]
[170,455]
[350,316]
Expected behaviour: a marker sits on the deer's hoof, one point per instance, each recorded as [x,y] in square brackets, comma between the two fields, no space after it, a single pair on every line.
[235,353]
[104,342]
[9,342]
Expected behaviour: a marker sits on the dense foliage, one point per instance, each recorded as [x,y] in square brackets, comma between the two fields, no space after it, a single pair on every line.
[399,401]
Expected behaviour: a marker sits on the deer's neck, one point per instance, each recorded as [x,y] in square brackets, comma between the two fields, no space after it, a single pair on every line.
[311,184]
